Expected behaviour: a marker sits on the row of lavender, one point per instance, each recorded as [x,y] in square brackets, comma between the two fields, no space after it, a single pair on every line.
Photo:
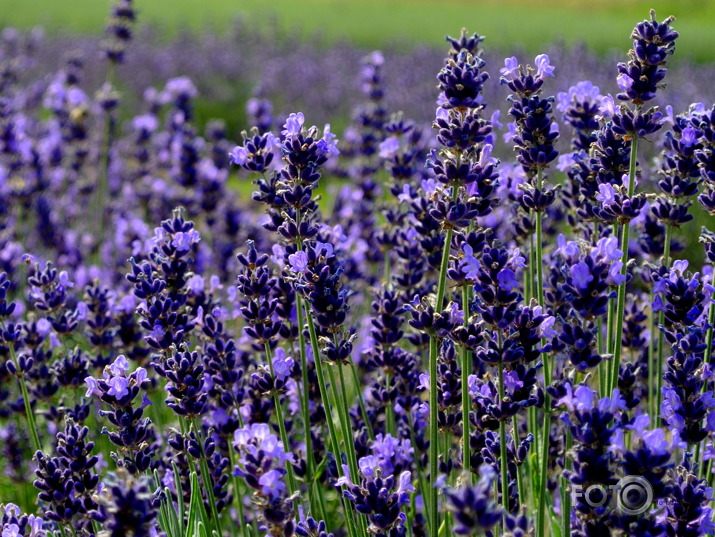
[450,343]
[285,68]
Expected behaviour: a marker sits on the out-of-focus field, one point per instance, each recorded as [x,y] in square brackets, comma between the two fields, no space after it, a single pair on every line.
[602,24]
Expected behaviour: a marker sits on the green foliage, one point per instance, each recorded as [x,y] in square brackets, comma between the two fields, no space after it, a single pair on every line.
[602,24]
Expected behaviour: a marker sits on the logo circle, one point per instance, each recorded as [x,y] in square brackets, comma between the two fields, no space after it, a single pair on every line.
[634,495]
[595,496]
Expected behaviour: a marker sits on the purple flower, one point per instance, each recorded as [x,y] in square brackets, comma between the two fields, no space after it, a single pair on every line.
[512,382]
[546,329]
[606,194]
[298,261]
[118,387]
[469,264]
[120,366]
[581,275]
[293,124]
[614,273]
[92,387]
[282,364]
[543,67]
[272,484]
[389,146]
[507,279]
[624,81]
[328,143]
[183,241]
[510,71]
[239,155]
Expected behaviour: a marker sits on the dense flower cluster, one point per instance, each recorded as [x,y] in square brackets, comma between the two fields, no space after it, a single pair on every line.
[401,334]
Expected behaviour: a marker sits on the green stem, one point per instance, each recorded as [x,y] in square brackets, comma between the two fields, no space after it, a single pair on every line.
[544,473]
[661,320]
[208,482]
[521,499]
[602,364]
[651,362]
[237,491]
[305,396]
[279,418]
[344,419]
[620,307]
[328,414]
[434,426]
[420,475]
[348,437]
[433,436]
[466,402]
[390,411]
[709,335]
[361,402]
[566,496]
[25,397]
[102,183]
[503,463]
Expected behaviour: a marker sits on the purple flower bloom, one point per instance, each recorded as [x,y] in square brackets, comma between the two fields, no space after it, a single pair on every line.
[581,275]
[510,71]
[272,484]
[183,241]
[543,67]
[293,125]
[282,364]
[507,279]
[118,387]
[469,264]
[389,146]
[606,194]
[239,155]
[298,261]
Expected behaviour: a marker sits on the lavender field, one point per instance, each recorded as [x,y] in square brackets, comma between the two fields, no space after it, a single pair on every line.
[476,299]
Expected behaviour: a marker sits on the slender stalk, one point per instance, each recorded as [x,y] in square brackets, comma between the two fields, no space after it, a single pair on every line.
[503,463]
[340,400]
[466,402]
[661,319]
[539,261]
[346,407]
[620,307]
[651,362]
[543,474]
[389,411]
[433,437]
[103,179]
[602,364]
[237,491]
[420,475]
[326,405]
[206,474]
[547,372]
[521,498]
[566,496]
[361,402]
[25,397]
[709,335]
[305,397]
[433,425]
[279,417]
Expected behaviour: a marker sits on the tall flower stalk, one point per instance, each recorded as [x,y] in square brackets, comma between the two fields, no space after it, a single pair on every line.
[639,80]
[534,143]
[464,193]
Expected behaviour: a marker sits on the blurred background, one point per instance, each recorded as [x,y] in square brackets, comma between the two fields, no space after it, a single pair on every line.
[306,54]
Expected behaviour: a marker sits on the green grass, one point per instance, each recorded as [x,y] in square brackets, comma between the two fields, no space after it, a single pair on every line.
[602,24]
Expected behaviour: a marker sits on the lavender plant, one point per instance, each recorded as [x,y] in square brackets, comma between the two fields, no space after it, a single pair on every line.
[399,334]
